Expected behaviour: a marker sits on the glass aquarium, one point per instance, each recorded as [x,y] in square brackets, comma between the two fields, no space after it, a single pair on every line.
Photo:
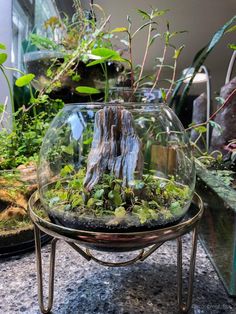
[218,226]
[116,167]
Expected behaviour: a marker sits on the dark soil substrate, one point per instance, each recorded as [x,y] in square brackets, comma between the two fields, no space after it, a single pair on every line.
[19,241]
[99,225]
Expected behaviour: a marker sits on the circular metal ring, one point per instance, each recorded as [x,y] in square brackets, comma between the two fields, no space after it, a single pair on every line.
[116,264]
[119,242]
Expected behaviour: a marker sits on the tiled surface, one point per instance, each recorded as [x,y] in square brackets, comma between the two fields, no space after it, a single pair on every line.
[83,287]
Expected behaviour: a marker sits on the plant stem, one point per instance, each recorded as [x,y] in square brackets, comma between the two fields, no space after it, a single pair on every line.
[107,83]
[11,95]
[131,62]
[227,100]
[4,110]
[172,80]
[29,85]
[144,57]
[159,69]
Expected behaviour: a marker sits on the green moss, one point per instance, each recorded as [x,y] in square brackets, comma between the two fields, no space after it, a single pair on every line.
[12,224]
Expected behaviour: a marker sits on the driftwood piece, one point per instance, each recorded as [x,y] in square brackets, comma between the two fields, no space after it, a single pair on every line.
[116,148]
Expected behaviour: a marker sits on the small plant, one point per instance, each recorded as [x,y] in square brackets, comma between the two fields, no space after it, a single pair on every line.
[149,198]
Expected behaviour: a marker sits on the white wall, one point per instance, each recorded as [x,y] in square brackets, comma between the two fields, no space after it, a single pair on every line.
[5,37]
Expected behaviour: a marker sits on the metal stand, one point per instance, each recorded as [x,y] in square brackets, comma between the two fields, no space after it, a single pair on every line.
[152,240]
[183,307]
[44,309]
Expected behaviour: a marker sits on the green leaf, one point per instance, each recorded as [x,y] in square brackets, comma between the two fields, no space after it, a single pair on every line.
[24,80]
[232,46]
[99,61]
[176,33]
[144,14]
[119,30]
[68,149]
[154,38]
[68,169]
[77,201]
[104,52]
[120,212]
[178,52]
[1,108]
[90,202]
[3,57]
[87,90]
[201,129]
[141,27]
[42,42]
[88,141]
[220,100]
[167,66]
[159,13]
[115,197]
[76,77]
[231,29]
[142,213]
[2,46]
[176,208]
[99,194]
[216,126]
[118,59]
[163,94]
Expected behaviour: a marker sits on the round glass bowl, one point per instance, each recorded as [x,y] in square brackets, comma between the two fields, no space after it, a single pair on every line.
[116,168]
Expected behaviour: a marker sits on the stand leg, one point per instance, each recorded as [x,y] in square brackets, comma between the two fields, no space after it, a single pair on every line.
[185,307]
[43,309]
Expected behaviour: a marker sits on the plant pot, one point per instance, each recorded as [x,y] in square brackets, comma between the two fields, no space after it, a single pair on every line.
[218,226]
[38,63]
[102,168]
[16,229]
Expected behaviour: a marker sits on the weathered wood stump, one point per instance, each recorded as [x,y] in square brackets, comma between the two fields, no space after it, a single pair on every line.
[116,148]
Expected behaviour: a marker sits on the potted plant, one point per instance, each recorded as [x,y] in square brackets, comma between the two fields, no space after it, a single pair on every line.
[119,167]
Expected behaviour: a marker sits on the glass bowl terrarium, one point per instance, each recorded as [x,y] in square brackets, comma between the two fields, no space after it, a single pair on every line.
[116,168]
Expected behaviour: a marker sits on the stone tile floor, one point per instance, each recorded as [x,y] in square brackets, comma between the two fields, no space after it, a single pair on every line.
[83,287]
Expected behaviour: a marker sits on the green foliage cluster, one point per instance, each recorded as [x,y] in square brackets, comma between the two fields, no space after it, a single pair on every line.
[13,224]
[85,38]
[227,176]
[22,144]
[149,198]
[30,122]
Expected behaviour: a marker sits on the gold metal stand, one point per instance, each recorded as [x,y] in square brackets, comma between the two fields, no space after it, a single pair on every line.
[147,241]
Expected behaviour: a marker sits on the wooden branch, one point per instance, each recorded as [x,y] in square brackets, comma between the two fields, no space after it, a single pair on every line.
[116,148]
